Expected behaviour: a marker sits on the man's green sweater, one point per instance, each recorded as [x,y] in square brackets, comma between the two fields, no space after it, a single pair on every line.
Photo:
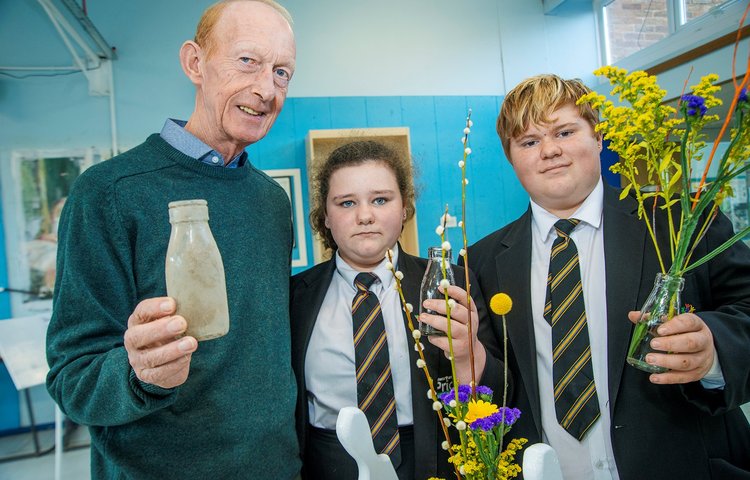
[234,416]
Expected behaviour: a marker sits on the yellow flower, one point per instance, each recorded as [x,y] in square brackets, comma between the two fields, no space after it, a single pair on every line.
[505,466]
[658,148]
[479,409]
[501,303]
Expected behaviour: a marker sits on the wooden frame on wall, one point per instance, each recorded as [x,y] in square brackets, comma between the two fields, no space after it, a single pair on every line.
[320,143]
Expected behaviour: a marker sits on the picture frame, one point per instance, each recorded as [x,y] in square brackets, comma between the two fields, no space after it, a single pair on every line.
[35,184]
[290,180]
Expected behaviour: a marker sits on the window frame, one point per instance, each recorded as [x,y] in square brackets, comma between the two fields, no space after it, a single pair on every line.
[684,35]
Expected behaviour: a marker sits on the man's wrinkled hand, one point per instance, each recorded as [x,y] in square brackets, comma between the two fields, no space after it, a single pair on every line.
[157,351]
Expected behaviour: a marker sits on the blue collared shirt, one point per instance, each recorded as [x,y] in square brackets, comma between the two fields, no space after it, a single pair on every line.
[173,132]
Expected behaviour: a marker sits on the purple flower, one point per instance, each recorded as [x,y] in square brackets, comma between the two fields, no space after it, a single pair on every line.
[743,95]
[486,423]
[482,390]
[464,392]
[505,415]
[696,105]
[510,415]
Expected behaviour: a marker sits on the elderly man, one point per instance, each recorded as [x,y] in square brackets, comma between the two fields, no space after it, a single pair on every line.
[159,405]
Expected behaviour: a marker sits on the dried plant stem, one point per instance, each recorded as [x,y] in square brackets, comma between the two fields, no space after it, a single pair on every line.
[505,375]
[448,330]
[420,352]
[466,259]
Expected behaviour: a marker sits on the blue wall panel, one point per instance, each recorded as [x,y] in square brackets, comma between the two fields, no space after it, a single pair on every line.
[418,114]
[4,297]
[436,127]
[450,120]
[9,413]
[348,112]
[383,111]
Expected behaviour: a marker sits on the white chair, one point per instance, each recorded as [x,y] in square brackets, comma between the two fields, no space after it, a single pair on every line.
[354,434]
[540,463]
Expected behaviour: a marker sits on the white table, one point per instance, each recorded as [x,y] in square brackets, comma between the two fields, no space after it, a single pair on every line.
[23,350]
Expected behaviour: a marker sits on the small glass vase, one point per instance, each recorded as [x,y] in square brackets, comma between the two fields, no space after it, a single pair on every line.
[661,305]
[433,275]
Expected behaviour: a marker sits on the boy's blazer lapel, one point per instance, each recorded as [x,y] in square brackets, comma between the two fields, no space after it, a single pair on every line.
[625,239]
[514,255]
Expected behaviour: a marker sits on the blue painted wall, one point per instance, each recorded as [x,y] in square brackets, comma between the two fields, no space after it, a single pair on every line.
[9,414]
[436,125]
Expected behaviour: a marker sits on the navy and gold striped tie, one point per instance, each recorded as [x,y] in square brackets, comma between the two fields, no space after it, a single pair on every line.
[375,395]
[576,402]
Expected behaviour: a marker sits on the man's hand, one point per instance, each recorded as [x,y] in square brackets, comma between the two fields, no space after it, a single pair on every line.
[459,333]
[155,350]
[691,347]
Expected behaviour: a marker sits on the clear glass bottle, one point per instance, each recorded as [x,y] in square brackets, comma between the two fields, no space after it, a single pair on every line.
[661,305]
[431,281]
[194,271]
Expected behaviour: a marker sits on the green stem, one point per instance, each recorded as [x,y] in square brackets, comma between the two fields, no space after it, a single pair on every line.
[444,271]
[745,231]
[702,232]
[686,233]
[642,212]
[729,176]
[505,373]
[473,383]
[684,200]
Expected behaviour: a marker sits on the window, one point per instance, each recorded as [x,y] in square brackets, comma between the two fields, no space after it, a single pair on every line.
[697,8]
[630,26]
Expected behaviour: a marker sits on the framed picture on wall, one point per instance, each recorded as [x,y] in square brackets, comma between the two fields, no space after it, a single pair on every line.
[35,185]
[291,181]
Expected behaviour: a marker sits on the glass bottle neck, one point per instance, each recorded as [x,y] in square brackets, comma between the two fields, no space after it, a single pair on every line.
[436,253]
[672,281]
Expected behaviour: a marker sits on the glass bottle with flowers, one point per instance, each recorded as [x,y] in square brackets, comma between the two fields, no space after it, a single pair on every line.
[647,134]
[480,423]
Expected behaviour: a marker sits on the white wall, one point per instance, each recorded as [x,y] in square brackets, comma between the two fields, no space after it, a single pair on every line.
[345,48]
[434,47]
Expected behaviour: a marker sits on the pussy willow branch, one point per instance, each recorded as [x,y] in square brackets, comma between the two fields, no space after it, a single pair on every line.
[466,257]
[420,352]
[448,330]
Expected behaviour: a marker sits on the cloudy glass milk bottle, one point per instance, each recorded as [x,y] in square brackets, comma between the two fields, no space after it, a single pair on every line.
[194,271]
